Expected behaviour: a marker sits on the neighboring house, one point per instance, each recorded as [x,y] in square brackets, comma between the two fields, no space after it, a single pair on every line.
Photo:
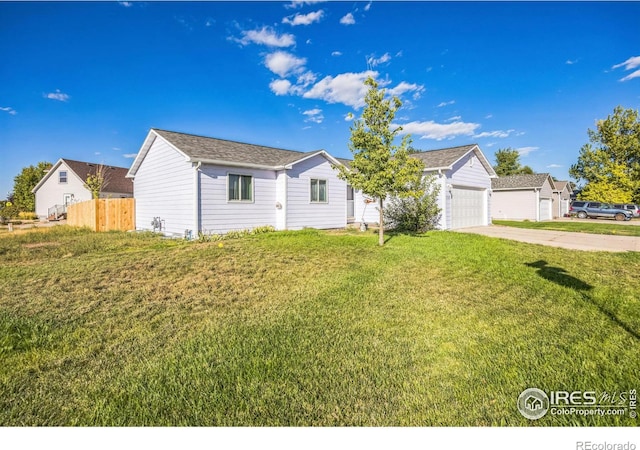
[523,197]
[464,175]
[64,183]
[190,184]
[561,198]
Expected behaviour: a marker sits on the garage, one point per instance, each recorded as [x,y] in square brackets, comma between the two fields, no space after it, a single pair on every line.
[545,209]
[468,207]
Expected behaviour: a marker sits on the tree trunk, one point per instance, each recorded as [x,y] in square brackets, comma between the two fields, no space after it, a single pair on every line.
[381,223]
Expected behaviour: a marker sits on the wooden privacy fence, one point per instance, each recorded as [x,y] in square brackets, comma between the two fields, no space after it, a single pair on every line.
[103,214]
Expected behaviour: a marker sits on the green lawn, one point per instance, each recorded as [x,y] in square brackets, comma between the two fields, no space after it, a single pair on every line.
[613,228]
[307,328]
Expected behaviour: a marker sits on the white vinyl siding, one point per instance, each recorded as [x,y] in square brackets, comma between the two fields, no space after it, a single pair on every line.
[52,192]
[220,215]
[364,211]
[301,212]
[163,188]
[545,209]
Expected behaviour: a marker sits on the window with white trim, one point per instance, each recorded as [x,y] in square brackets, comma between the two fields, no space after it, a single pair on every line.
[62,176]
[318,191]
[240,188]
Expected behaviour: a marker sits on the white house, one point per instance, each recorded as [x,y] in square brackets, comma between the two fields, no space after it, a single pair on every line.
[64,183]
[561,198]
[186,184]
[464,176]
[523,197]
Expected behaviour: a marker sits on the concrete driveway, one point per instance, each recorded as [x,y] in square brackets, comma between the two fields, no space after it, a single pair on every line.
[563,239]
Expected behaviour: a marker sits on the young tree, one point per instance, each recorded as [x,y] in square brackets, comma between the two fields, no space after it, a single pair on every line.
[380,168]
[611,159]
[508,163]
[23,184]
[97,181]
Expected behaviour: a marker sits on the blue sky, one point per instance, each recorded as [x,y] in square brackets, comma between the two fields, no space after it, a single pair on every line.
[86,81]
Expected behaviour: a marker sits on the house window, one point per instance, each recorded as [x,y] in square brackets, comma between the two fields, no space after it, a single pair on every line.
[240,188]
[318,191]
[62,176]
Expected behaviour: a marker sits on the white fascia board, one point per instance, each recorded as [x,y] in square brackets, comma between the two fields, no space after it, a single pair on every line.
[219,162]
[46,176]
[327,156]
[144,149]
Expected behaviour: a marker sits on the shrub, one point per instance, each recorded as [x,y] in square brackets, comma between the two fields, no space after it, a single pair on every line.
[416,214]
[27,215]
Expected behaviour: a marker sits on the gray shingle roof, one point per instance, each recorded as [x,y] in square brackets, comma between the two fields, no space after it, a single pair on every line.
[444,157]
[200,148]
[560,185]
[527,181]
[115,176]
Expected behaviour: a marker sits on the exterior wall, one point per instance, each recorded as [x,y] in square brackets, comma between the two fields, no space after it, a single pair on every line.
[516,205]
[468,173]
[219,215]
[164,187]
[561,202]
[546,191]
[300,211]
[52,192]
[365,212]
[282,179]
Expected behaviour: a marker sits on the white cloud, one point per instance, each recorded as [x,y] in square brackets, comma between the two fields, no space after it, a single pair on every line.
[554,166]
[404,87]
[632,75]
[280,87]
[349,117]
[130,155]
[304,19]
[524,151]
[210,22]
[629,64]
[368,6]
[306,78]
[314,115]
[283,63]
[454,118]
[373,61]
[266,36]
[439,131]
[450,102]
[125,4]
[295,4]
[571,62]
[336,53]
[497,133]
[348,19]
[347,88]
[9,110]
[57,95]
[488,116]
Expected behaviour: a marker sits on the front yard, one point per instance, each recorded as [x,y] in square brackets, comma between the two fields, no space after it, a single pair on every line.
[307,328]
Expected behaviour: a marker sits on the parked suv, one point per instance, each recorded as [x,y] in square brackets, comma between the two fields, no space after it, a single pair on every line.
[634,209]
[596,209]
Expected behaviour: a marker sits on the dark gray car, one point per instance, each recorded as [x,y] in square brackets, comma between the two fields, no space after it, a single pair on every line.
[584,209]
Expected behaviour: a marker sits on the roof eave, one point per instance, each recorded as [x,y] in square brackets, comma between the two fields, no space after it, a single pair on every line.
[46,176]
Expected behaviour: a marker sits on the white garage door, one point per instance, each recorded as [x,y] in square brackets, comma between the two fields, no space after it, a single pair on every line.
[468,207]
[545,209]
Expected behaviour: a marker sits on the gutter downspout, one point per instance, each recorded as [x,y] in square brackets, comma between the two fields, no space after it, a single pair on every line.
[285,204]
[196,196]
[537,191]
[443,196]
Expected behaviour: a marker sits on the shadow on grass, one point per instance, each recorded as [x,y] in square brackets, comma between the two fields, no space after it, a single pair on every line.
[560,276]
